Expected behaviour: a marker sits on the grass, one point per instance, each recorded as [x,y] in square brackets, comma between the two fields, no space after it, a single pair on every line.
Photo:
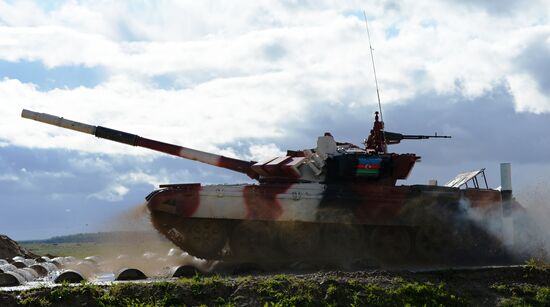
[285,290]
[279,290]
[536,264]
[79,250]
[522,295]
[404,294]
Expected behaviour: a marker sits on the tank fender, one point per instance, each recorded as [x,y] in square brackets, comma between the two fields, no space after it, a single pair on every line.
[155,192]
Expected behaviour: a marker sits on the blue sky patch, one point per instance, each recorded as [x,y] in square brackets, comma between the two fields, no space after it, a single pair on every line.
[50,5]
[357,14]
[127,33]
[429,23]
[184,80]
[49,78]
[392,31]
[166,81]
[274,51]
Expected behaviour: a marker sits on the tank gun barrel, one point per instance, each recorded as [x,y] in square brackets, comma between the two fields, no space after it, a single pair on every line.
[237,165]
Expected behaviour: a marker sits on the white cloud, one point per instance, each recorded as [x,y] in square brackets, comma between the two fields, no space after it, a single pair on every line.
[46,174]
[264,151]
[202,117]
[255,70]
[89,165]
[142,177]
[8,177]
[112,193]
[524,88]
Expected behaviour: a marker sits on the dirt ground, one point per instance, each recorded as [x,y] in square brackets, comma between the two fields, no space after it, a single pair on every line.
[526,285]
[10,249]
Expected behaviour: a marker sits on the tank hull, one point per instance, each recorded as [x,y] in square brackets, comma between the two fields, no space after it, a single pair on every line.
[328,222]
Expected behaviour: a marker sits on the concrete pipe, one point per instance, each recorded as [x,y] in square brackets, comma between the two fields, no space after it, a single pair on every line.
[40,269]
[19,264]
[17,258]
[184,271]
[28,276]
[7,268]
[130,274]
[69,276]
[11,279]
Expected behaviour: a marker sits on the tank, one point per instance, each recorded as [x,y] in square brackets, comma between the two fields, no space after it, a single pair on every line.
[335,202]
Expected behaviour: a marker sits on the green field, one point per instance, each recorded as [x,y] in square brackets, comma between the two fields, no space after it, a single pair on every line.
[99,244]
[78,250]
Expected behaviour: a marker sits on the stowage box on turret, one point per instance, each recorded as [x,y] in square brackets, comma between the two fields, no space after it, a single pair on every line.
[335,202]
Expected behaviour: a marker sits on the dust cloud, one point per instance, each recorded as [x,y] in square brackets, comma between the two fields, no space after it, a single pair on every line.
[130,241]
[533,226]
[525,234]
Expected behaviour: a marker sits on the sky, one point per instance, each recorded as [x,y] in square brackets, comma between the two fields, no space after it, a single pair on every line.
[252,79]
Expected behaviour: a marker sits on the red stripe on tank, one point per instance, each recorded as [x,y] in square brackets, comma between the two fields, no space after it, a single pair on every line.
[159,146]
[261,201]
[184,198]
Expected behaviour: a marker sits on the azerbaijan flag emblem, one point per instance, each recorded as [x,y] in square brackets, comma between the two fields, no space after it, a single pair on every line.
[368,167]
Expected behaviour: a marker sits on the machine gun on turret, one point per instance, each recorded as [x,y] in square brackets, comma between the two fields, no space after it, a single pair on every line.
[395,138]
[379,139]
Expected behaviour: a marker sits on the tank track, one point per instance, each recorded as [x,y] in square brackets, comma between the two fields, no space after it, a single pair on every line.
[277,242]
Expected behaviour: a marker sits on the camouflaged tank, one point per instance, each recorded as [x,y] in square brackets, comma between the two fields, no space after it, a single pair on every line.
[337,201]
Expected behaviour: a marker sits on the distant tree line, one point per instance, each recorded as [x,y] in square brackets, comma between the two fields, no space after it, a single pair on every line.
[94,237]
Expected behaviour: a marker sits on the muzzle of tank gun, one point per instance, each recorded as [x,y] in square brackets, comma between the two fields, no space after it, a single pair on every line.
[58,121]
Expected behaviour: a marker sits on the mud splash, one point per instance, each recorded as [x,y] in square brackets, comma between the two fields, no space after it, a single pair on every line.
[533,228]
[135,243]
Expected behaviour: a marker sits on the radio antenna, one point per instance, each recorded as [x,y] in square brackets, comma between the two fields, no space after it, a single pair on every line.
[374,69]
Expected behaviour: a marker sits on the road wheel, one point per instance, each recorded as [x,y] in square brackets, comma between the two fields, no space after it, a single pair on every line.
[204,238]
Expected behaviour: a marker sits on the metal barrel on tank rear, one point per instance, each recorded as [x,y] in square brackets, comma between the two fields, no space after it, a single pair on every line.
[237,165]
[507,199]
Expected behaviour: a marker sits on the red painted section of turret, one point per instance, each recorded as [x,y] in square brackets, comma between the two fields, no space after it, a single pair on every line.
[376,142]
